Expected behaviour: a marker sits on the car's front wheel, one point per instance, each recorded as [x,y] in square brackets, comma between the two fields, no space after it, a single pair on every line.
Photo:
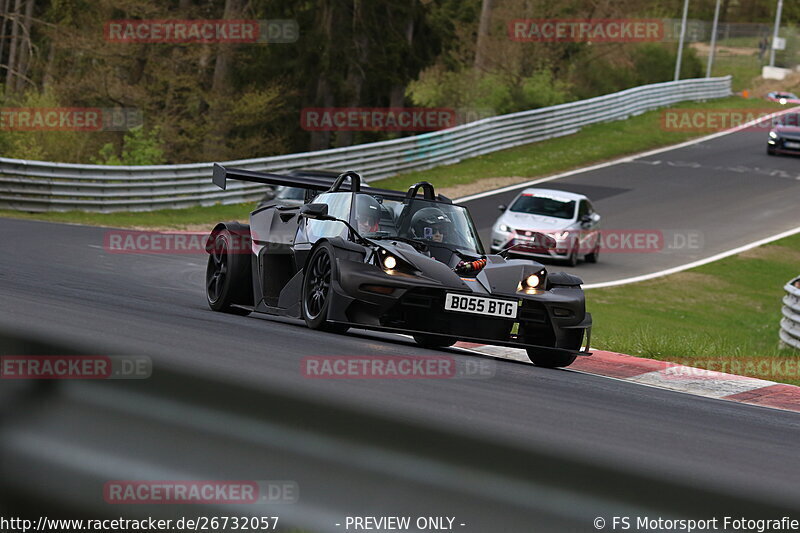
[594,256]
[770,150]
[572,260]
[434,341]
[550,360]
[317,291]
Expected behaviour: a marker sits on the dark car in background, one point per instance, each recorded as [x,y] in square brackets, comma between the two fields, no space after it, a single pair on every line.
[287,195]
[784,137]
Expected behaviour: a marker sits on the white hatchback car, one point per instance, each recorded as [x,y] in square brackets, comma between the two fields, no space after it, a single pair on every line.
[568,217]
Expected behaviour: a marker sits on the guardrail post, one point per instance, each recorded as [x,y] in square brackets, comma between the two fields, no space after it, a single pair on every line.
[790,322]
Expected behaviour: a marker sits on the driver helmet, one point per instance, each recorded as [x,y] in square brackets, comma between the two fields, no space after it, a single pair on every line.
[368,214]
[432,224]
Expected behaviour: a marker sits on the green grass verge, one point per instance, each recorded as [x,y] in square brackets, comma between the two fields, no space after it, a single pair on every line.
[594,144]
[744,69]
[164,218]
[729,309]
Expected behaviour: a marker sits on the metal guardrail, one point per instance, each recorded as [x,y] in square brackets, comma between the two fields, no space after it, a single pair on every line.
[790,323]
[45,186]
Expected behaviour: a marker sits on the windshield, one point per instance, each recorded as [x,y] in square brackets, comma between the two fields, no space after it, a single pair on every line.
[417,219]
[548,206]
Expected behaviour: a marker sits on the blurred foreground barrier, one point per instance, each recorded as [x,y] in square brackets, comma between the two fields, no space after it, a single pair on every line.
[790,323]
[45,186]
[63,442]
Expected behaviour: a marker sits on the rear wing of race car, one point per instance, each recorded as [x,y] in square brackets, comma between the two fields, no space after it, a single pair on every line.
[315,180]
[318,181]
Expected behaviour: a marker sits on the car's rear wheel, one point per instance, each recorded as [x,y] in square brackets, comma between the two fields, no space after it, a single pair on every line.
[434,341]
[228,276]
[317,291]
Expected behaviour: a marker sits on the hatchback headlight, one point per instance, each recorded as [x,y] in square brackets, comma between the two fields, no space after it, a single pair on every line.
[773,135]
[504,228]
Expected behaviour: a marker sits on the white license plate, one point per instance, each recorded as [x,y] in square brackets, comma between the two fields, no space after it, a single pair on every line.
[792,145]
[480,306]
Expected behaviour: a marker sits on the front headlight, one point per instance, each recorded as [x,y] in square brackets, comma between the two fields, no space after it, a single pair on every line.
[532,282]
[391,263]
[561,235]
[773,135]
[504,228]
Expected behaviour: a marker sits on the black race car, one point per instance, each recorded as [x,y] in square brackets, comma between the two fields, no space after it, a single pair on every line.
[356,256]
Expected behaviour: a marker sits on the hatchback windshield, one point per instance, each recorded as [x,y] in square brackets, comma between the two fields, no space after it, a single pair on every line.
[416,219]
[548,206]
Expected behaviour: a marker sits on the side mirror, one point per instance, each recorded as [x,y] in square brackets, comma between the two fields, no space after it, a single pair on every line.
[502,207]
[315,212]
[320,212]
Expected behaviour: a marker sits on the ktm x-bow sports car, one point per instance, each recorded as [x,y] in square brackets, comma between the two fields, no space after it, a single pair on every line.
[412,263]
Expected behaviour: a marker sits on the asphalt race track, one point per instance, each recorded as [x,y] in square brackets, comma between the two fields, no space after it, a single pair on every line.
[57,281]
[698,200]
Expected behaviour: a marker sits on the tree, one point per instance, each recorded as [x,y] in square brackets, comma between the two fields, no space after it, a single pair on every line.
[484,28]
